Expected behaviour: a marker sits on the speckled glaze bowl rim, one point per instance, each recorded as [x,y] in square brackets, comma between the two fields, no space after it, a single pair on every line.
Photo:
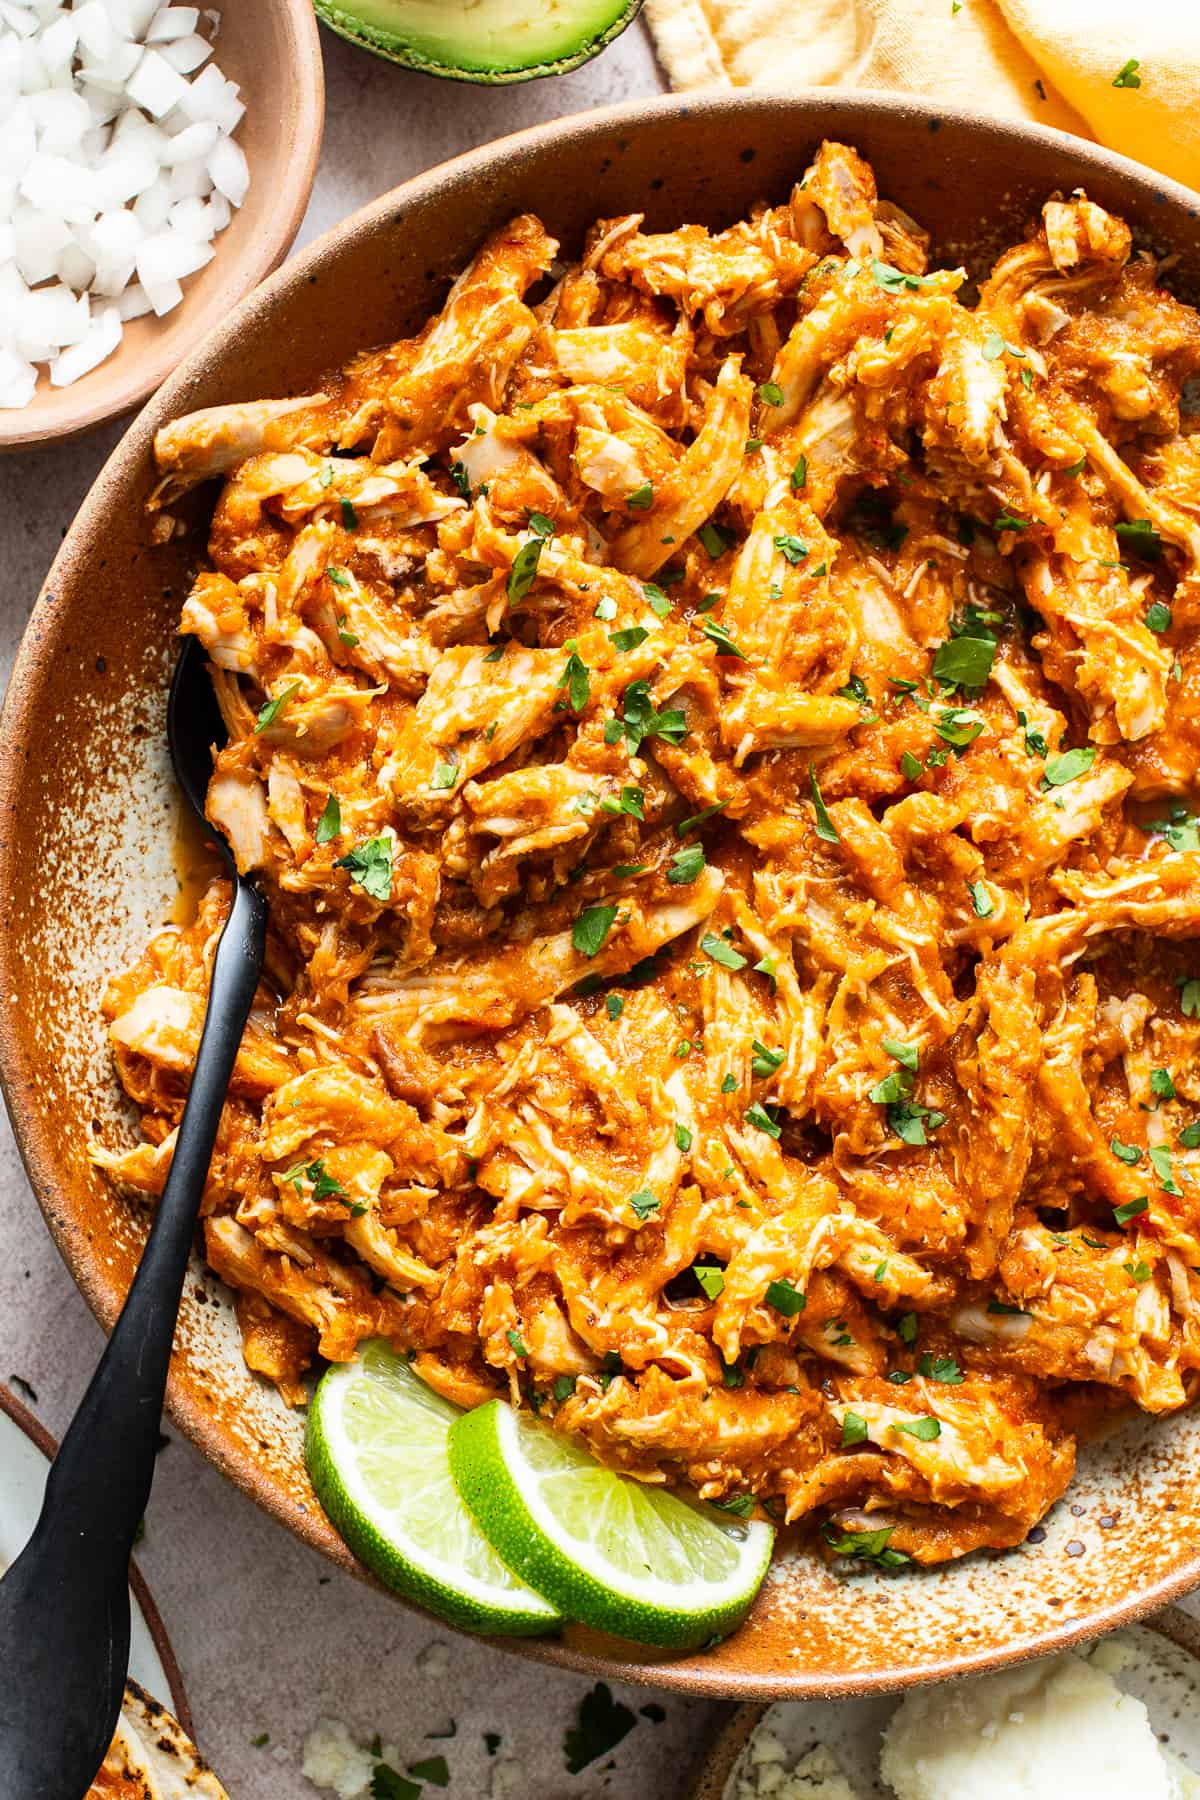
[843,113]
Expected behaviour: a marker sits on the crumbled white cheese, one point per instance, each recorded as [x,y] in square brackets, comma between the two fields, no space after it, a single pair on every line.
[434,1660]
[1044,1731]
[763,1776]
[333,1760]
[510,1780]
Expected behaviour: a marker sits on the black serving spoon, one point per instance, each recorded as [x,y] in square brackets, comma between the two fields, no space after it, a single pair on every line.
[64,1603]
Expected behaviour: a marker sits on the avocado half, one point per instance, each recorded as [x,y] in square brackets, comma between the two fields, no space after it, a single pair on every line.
[481,40]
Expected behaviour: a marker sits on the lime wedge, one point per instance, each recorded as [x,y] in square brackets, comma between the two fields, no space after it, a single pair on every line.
[376,1453]
[625,1558]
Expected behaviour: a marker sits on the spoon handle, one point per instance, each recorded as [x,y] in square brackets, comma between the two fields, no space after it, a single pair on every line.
[64,1604]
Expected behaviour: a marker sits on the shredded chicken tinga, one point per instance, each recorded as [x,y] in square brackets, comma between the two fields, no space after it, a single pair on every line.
[717,742]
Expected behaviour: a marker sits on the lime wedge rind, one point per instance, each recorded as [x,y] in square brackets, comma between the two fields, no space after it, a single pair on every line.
[572,1548]
[400,1513]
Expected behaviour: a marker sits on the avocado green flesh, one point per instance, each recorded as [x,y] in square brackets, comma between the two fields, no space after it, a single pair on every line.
[481,40]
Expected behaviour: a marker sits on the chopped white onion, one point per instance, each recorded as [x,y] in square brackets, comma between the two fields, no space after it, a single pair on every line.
[117,171]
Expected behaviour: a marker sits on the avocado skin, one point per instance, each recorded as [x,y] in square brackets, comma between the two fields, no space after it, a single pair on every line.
[381,43]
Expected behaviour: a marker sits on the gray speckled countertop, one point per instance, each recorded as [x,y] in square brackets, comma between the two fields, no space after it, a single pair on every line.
[269,1637]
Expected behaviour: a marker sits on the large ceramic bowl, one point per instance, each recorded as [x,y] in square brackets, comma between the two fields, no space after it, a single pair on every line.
[87,820]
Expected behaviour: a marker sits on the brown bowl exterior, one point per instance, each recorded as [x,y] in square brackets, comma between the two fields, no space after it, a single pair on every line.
[272,50]
[86,814]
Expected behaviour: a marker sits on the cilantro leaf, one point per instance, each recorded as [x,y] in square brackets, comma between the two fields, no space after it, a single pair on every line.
[641,497]
[712,1280]
[1127,75]
[1069,766]
[271,711]
[790,548]
[575,678]
[685,865]
[759,1116]
[1140,538]
[785,1298]
[854,1430]
[370,865]
[926,1429]
[770,393]
[591,928]
[329,825]
[826,829]
[718,951]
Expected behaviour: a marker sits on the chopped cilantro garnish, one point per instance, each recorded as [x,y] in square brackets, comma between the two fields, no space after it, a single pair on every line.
[614,1006]
[1127,75]
[785,1299]
[329,825]
[1138,1272]
[764,1062]
[869,1546]
[711,1279]
[740,1505]
[591,928]
[271,711]
[629,639]
[713,539]
[683,1138]
[790,548]
[575,679]
[717,634]
[1069,766]
[1189,1137]
[759,1116]
[605,609]
[641,497]
[718,951]
[602,1723]
[981,900]
[906,1330]
[643,1203]
[910,767]
[631,802]
[685,865]
[1160,1159]
[524,568]
[349,516]
[907,1055]
[1161,1084]
[926,1429]
[1140,537]
[826,829]
[370,865]
[656,600]
[515,1339]
[729,1084]
[1158,617]
[799,474]
[640,720]
[854,1430]
[338,576]
[460,478]
[445,775]
[1126,1153]
[387,1785]
[1131,1209]
[965,660]
[771,393]
[700,818]
[1010,521]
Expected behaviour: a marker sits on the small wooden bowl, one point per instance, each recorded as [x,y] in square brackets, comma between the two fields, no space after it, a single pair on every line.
[1176,1628]
[272,50]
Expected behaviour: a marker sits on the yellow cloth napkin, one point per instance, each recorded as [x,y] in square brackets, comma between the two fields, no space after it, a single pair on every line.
[1055,61]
